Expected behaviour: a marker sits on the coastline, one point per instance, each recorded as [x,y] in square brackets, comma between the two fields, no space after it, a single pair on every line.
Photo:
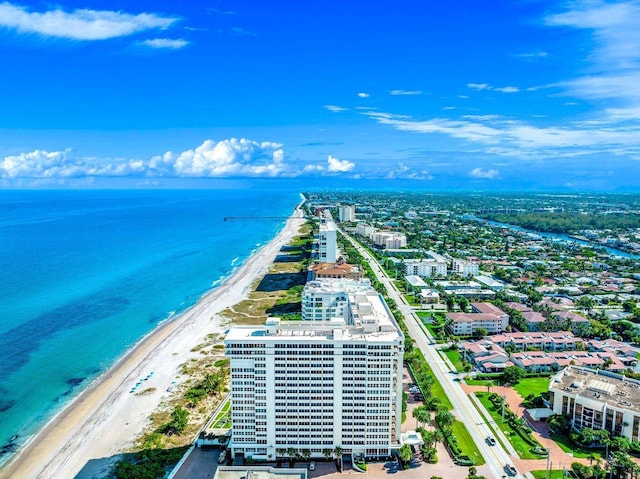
[83,439]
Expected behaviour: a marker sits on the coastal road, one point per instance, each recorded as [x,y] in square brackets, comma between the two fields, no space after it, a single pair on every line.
[495,456]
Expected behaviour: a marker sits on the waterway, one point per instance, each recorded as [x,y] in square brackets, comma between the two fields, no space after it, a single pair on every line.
[556,237]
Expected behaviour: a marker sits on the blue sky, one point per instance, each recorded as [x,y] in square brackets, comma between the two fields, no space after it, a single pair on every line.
[493,95]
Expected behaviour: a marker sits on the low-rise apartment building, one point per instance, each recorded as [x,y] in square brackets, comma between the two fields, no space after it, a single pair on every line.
[464,268]
[597,399]
[484,316]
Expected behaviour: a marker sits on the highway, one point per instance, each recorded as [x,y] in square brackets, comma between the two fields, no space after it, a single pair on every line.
[495,456]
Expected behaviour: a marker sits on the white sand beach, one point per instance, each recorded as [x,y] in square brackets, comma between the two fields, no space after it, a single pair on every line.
[104,420]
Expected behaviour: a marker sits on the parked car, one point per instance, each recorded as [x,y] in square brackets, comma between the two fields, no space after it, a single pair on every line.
[491,441]
[312,466]
[509,469]
[222,457]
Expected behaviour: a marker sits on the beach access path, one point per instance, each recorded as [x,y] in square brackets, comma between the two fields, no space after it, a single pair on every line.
[85,439]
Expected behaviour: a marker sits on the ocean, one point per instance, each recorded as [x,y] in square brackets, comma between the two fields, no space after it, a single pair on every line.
[86,274]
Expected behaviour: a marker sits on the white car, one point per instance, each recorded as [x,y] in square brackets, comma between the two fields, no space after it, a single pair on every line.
[222,457]
[312,466]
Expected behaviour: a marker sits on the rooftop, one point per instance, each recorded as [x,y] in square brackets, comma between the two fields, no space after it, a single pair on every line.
[610,388]
[241,472]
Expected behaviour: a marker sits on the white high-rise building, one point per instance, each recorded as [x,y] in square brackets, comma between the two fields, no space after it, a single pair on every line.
[363,229]
[326,299]
[317,385]
[464,268]
[346,213]
[327,239]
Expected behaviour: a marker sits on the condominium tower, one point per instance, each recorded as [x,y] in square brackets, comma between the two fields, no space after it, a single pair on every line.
[315,385]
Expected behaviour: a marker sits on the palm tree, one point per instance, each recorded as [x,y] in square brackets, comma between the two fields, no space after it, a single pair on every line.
[337,451]
[429,438]
[305,454]
[405,453]
[422,415]
[326,453]
[445,419]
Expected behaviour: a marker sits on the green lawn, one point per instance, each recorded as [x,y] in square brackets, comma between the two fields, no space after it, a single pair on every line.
[522,448]
[533,386]
[478,382]
[456,359]
[436,389]
[553,474]
[467,446]
[567,445]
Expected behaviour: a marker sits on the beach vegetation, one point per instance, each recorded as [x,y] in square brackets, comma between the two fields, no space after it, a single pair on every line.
[178,423]
[146,391]
[149,463]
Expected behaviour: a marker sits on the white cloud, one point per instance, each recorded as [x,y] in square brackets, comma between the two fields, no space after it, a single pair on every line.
[486,86]
[515,138]
[233,157]
[532,56]
[212,159]
[165,43]
[339,166]
[508,89]
[613,79]
[335,108]
[363,95]
[81,24]
[478,86]
[405,92]
[485,174]
[62,164]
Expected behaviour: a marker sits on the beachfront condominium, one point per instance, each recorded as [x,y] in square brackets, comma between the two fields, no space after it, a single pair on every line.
[346,213]
[318,384]
[326,239]
[597,399]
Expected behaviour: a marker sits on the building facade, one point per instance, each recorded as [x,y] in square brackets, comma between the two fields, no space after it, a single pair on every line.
[597,400]
[327,240]
[464,268]
[389,239]
[426,268]
[317,385]
[346,213]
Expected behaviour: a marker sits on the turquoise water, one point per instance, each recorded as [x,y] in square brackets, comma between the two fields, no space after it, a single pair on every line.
[85,274]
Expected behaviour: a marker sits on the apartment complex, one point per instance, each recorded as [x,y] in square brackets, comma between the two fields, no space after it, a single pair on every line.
[334,379]
[484,316]
[426,268]
[464,268]
[389,239]
[598,400]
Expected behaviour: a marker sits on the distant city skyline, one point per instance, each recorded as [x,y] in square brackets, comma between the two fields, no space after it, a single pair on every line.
[525,95]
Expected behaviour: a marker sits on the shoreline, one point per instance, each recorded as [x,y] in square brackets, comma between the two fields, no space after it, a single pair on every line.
[84,437]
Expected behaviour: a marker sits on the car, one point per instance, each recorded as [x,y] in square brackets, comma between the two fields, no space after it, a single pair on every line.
[222,457]
[312,466]
[491,441]
[509,469]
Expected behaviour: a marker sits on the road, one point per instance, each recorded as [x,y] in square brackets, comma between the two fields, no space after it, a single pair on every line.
[495,456]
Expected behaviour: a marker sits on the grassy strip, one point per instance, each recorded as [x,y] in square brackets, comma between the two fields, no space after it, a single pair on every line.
[567,445]
[522,448]
[553,474]
[478,382]
[466,443]
[456,360]
[489,423]
[534,386]
[436,388]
